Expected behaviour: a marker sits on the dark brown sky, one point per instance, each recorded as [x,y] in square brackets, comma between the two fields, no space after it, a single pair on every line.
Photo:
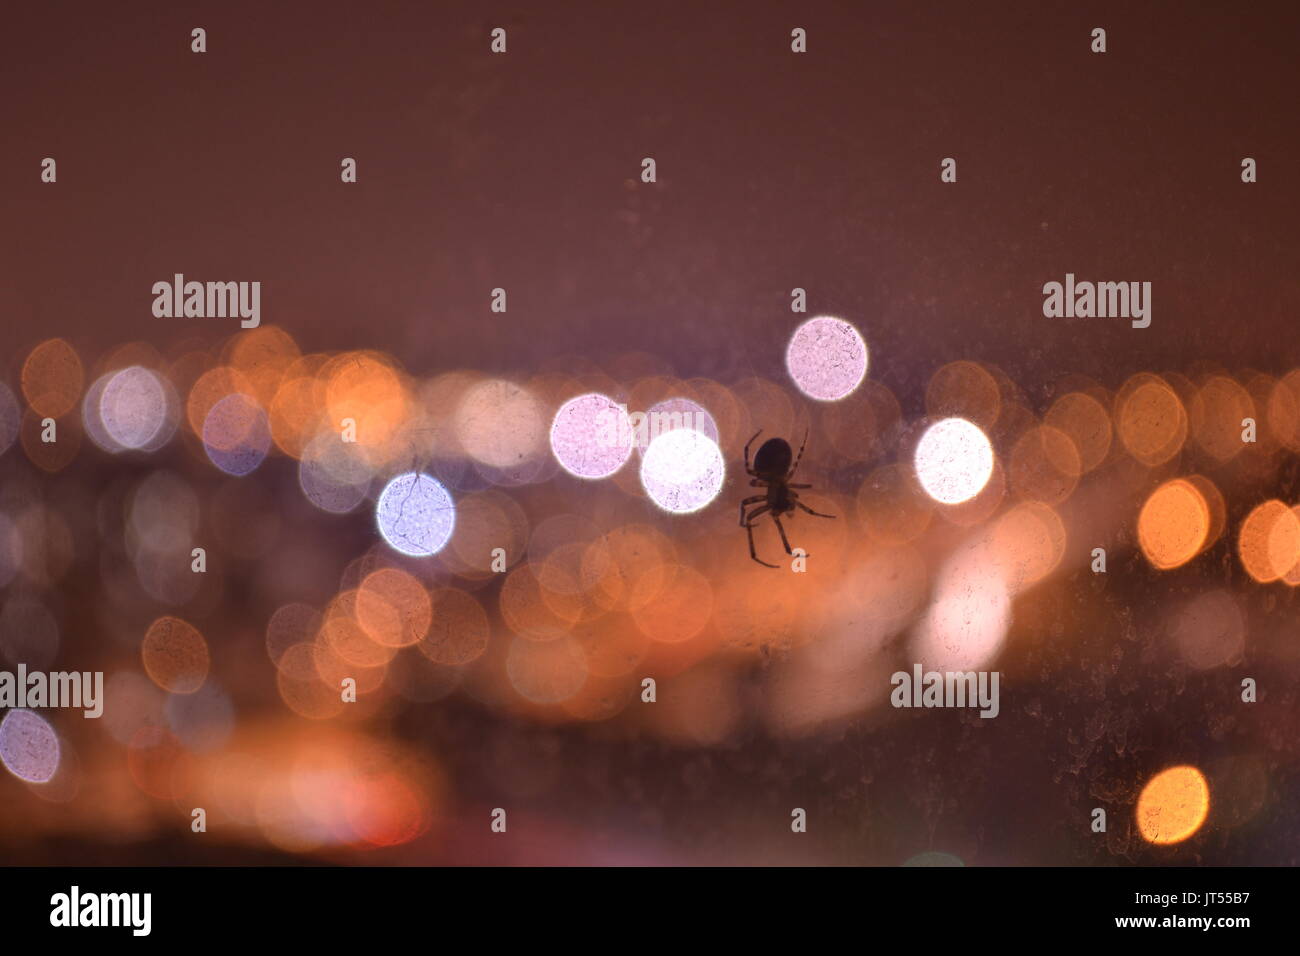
[775,170]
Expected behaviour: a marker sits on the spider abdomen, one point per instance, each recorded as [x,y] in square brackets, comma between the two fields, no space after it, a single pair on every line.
[773,458]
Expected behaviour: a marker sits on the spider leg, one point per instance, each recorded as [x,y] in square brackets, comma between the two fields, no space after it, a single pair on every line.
[800,455]
[753,499]
[748,468]
[792,485]
[800,504]
[784,540]
[758,483]
[749,530]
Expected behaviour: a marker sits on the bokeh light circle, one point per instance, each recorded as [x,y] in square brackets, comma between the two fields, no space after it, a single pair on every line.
[175,655]
[415,514]
[499,423]
[133,407]
[954,460]
[1210,630]
[826,358]
[1173,524]
[591,436]
[1173,805]
[682,471]
[334,475]
[1267,541]
[52,378]
[29,747]
[966,624]
[236,434]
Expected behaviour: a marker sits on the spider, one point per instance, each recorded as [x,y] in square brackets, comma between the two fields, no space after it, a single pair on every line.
[772,470]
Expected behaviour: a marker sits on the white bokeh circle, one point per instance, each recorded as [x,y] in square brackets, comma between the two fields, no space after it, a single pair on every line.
[954,461]
[682,470]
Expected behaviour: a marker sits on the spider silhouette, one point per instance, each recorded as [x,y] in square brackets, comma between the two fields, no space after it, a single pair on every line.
[772,470]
